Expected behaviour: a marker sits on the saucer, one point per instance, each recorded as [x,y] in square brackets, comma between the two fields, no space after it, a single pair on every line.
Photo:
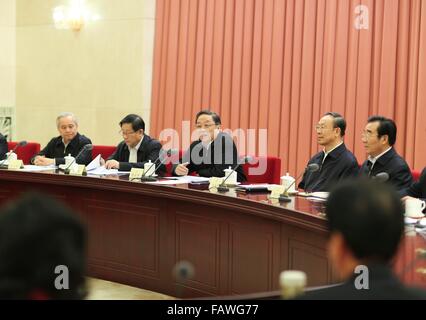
[420,216]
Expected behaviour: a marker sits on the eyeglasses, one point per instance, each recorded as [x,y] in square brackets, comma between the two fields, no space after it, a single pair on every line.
[204,126]
[125,134]
[320,127]
[368,134]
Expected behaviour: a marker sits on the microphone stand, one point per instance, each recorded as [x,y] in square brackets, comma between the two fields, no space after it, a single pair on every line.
[86,147]
[222,187]
[284,196]
[146,178]
[19,144]
[310,168]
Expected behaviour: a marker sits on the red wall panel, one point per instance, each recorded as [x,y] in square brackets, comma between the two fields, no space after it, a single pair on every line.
[280,64]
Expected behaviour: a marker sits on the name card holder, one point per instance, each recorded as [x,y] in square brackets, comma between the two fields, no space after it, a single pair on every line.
[276,192]
[215,182]
[136,174]
[15,165]
[79,170]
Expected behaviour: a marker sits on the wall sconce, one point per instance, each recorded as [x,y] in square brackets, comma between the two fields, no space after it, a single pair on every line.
[74,16]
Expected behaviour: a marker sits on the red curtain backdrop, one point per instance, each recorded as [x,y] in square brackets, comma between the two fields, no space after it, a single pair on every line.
[280,64]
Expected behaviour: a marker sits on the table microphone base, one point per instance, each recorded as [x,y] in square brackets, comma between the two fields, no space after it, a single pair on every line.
[148,179]
[68,171]
[222,189]
[284,198]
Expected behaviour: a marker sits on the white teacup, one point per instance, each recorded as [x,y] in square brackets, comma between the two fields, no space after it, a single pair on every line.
[414,208]
[68,160]
[230,176]
[11,156]
[149,169]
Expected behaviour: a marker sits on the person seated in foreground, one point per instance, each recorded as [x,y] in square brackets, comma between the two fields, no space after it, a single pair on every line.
[42,250]
[366,225]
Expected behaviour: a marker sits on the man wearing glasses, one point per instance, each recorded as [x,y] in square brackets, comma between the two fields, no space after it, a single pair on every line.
[136,149]
[335,161]
[379,137]
[212,153]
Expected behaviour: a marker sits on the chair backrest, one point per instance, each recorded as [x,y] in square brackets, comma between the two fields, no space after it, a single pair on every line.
[104,151]
[265,169]
[415,174]
[25,153]
[174,158]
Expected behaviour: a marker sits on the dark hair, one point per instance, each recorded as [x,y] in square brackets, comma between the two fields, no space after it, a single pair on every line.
[386,127]
[37,234]
[214,115]
[339,122]
[135,120]
[369,215]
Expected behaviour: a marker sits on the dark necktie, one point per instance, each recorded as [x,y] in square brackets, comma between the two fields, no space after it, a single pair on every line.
[369,167]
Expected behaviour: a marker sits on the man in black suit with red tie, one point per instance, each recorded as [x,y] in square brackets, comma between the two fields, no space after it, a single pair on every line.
[379,137]
[3,147]
[366,224]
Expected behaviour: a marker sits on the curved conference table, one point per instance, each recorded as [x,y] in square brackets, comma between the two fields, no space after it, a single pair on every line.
[238,243]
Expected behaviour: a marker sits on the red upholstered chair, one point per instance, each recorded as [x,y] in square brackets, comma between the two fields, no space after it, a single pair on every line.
[25,153]
[104,151]
[415,174]
[173,159]
[270,173]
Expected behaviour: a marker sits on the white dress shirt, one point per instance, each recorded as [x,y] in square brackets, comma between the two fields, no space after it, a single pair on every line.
[133,158]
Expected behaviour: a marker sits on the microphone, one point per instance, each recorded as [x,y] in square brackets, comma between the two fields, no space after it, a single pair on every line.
[168,154]
[381,177]
[309,168]
[222,187]
[183,271]
[19,144]
[86,147]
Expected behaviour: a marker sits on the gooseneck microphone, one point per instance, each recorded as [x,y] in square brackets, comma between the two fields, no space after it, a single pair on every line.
[86,147]
[183,271]
[222,187]
[162,153]
[309,168]
[19,144]
[381,177]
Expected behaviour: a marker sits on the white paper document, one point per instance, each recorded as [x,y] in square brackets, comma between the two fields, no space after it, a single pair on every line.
[32,168]
[96,163]
[188,179]
[169,182]
[102,171]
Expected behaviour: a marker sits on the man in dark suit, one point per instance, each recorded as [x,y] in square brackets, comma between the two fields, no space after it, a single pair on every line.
[69,142]
[379,137]
[212,153]
[335,161]
[417,189]
[3,147]
[136,149]
[366,224]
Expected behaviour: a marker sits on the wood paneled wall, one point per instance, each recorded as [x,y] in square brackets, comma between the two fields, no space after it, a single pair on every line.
[280,64]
